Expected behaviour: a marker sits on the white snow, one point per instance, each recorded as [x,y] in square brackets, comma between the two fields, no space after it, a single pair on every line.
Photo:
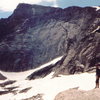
[6,96]
[24,74]
[25,21]
[96,29]
[50,87]
[47,86]
[97,8]
[18,30]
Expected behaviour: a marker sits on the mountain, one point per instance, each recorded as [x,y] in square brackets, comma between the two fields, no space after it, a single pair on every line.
[30,37]
[83,50]
[34,35]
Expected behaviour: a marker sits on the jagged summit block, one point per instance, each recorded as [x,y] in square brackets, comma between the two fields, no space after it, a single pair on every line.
[27,10]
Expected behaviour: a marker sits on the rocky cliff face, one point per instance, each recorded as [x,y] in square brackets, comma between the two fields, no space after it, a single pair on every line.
[83,50]
[34,35]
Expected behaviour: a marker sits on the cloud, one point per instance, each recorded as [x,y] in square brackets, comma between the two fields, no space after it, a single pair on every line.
[55,3]
[10,5]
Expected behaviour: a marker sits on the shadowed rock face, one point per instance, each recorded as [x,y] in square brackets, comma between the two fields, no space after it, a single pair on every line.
[34,35]
[82,54]
[2,77]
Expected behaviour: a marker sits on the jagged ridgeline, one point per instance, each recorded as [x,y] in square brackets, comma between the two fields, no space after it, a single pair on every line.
[34,35]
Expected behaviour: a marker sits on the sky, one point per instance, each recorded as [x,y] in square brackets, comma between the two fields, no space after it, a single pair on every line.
[7,6]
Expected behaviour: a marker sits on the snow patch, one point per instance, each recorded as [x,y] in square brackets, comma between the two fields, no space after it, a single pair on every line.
[6,97]
[18,30]
[97,8]
[25,21]
[96,29]
[24,74]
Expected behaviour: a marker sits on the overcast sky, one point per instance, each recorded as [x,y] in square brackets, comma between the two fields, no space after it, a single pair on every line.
[8,6]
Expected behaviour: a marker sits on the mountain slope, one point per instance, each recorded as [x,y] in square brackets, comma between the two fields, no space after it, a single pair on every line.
[34,35]
[82,54]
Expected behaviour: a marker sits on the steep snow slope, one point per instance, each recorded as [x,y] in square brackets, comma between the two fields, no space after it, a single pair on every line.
[24,74]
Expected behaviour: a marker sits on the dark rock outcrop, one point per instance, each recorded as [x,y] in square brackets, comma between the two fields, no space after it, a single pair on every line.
[82,55]
[2,77]
[41,73]
[34,35]
[7,83]
[25,90]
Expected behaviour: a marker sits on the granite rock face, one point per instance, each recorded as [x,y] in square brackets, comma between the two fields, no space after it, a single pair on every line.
[83,51]
[74,94]
[34,35]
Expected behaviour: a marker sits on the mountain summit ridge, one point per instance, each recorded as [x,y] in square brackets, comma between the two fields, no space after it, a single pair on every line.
[27,10]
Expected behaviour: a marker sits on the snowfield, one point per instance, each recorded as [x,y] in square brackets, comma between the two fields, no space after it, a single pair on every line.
[49,87]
